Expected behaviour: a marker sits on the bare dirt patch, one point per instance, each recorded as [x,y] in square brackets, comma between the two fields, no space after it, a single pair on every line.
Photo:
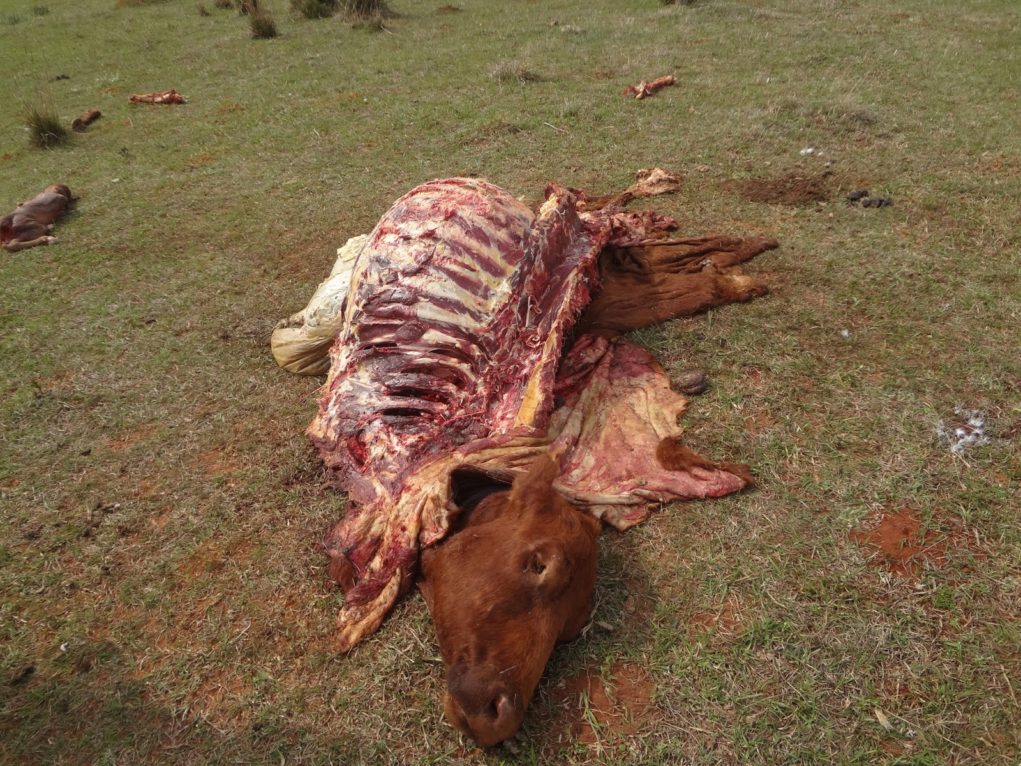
[792,189]
[758,422]
[216,462]
[724,619]
[147,488]
[61,381]
[590,710]
[198,160]
[901,546]
[207,557]
[129,438]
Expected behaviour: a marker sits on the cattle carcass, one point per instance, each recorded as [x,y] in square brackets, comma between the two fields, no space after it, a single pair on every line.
[460,353]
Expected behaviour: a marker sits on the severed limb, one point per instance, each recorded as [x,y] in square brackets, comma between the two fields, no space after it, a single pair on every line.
[664,279]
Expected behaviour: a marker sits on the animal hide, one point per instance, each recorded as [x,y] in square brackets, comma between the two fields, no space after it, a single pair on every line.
[456,354]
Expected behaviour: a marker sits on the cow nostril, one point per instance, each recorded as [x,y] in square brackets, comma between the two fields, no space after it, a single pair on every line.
[500,708]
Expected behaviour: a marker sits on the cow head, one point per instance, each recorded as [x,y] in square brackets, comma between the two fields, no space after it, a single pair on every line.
[512,582]
[60,189]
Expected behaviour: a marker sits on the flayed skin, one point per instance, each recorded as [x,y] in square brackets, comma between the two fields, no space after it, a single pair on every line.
[31,222]
[514,581]
[653,282]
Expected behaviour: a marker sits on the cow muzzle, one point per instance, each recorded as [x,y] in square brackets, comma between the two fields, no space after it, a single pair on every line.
[482,704]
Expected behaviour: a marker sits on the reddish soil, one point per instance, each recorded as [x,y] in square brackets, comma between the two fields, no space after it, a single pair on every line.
[620,706]
[757,422]
[895,688]
[216,462]
[218,699]
[198,160]
[900,544]
[207,557]
[1013,430]
[130,437]
[786,190]
[723,619]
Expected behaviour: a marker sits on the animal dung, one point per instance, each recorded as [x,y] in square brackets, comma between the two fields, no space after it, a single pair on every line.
[692,383]
[862,196]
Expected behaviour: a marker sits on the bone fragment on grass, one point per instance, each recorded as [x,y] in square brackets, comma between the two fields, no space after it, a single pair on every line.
[883,720]
[645,88]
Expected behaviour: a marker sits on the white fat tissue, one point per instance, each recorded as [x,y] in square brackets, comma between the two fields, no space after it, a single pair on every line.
[301,342]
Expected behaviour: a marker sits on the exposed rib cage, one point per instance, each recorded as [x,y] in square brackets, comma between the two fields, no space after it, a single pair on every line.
[440,344]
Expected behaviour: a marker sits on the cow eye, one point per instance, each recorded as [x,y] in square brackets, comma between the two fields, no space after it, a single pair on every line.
[537,565]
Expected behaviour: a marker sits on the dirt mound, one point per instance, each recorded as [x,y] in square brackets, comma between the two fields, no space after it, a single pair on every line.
[786,190]
[901,546]
[590,710]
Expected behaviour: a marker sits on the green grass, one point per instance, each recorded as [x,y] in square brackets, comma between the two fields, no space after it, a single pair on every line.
[161,507]
[45,130]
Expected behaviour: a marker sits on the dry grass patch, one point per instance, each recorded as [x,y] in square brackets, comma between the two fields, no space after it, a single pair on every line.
[262,24]
[511,70]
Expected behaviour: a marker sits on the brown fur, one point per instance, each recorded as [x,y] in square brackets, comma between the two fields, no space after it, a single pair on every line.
[656,281]
[513,581]
[674,456]
[31,222]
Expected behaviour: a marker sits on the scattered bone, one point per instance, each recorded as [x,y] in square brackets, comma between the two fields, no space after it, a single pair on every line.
[645,88]
[649,182]
[163,97]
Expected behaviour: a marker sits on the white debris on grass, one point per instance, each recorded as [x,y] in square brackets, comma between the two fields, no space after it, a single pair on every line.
[810,150]
[967,430]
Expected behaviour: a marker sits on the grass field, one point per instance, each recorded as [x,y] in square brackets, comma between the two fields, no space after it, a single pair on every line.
[163,593]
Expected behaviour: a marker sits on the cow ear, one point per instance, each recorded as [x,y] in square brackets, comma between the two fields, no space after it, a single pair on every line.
[546,567]
[534,488]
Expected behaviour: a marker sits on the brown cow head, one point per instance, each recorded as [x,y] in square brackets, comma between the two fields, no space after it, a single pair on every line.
[515,579]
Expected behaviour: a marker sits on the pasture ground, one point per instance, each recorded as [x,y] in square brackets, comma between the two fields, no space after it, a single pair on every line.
[164,599]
